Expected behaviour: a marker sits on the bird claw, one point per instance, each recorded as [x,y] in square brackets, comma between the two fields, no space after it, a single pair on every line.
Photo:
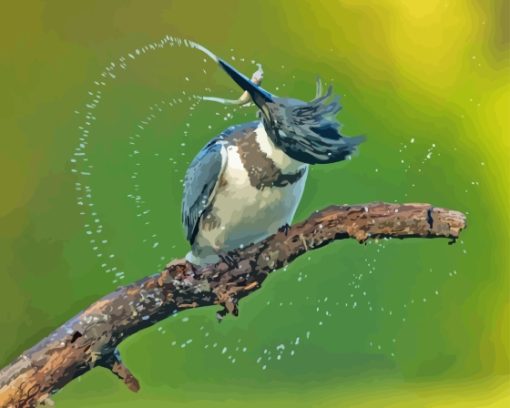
[285,229]
[229,260]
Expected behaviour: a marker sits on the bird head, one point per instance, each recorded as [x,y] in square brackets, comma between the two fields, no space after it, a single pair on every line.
[306,131]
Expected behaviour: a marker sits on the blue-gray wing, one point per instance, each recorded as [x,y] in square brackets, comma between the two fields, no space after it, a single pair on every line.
[200,183]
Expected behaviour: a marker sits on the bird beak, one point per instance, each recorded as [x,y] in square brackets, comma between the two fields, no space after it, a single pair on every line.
[258,94]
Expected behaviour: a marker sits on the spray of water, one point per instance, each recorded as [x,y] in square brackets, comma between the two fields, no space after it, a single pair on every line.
[80,163]
[356,299]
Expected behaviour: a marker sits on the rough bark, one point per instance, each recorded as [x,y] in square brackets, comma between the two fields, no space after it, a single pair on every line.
[91,338]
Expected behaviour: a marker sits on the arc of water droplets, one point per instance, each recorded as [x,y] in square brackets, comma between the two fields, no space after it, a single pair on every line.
[80,165]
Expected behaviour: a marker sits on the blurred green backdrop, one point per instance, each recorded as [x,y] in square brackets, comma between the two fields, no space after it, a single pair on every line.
[92,155]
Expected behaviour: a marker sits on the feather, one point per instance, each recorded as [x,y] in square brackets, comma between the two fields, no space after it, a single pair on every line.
[309,131]
[200,182]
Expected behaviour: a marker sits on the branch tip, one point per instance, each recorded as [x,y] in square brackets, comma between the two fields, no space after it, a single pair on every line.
[117,367]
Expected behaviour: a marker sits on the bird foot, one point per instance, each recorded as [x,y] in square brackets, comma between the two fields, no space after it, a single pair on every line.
[229,260]
[284,228]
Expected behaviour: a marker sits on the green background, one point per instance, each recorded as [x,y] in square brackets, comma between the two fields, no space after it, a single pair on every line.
[411,323]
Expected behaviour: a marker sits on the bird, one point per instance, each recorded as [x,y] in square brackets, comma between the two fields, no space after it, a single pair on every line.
[246,183]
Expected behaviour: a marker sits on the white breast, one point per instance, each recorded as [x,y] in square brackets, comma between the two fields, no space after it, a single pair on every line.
[245,213]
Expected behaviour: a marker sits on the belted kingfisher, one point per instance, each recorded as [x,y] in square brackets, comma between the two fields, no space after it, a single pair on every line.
[246,183]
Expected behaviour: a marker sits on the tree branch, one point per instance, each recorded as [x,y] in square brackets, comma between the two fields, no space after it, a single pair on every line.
[91,338]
